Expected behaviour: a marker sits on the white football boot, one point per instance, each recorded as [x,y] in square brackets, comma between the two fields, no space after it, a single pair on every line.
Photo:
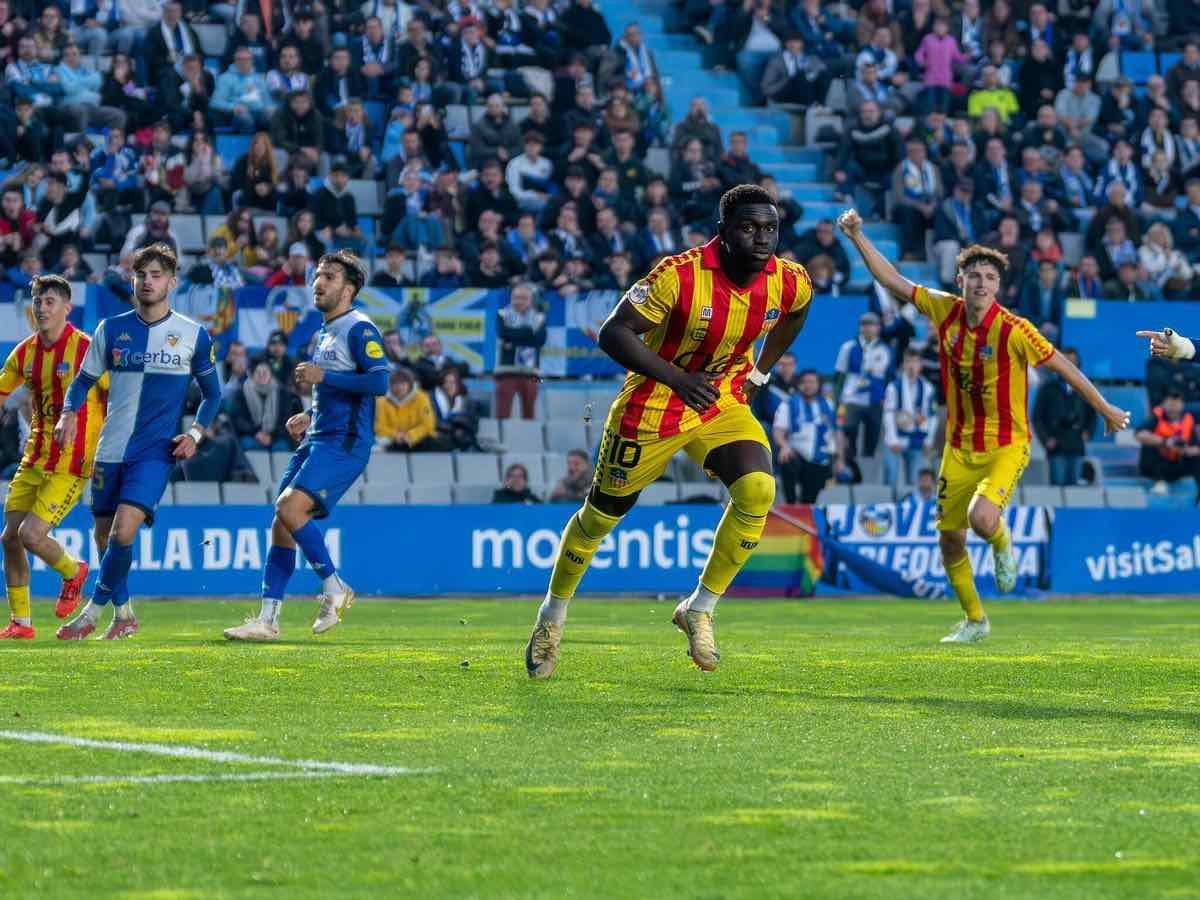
[333,606]
[1006,570]
[253,629]
[968,631]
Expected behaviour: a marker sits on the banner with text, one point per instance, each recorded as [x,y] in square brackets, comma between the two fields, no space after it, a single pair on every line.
[892,548]
[405,550]
[1126,551]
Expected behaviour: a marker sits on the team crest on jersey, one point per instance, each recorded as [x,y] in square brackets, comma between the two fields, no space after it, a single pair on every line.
[638,294]
[772,314]
[618,477]
[64,368]
[124,336]
[699,334]
[172,338]
[985,352]
[706,312]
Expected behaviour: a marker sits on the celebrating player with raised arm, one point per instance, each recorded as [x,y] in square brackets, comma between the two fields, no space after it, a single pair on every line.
[151,354]
[348,371]
[984,350]
[50,479]
[686,333]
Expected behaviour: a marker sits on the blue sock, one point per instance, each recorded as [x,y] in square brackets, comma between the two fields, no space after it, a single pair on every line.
[114,569]
[312,542]
[281,564]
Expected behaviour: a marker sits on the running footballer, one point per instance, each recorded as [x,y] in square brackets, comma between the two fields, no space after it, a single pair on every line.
[985,351]
[686,333]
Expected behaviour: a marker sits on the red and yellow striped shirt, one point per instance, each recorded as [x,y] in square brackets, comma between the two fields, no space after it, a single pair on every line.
[703,322]
[984,371]
[47,372]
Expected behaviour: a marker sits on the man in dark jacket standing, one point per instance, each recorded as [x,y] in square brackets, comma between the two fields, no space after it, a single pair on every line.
[1063,421]
[868,155]
[521,333]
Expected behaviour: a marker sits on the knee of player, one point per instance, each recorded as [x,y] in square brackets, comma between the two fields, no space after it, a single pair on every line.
[11,536]
[753,493]
[29,534]
[290,510]
[984,518]
[953,545]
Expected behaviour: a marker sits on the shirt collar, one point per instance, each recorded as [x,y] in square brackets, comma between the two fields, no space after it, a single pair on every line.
[710,257]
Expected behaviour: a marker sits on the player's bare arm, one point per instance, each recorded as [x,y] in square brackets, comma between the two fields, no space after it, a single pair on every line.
[1115,418]
[880,267]
[620,338]
[779,340]
[1169,344]
[64,428]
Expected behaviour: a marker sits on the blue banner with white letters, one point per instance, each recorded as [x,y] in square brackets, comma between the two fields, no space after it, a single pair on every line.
[892,548]
[1126,551]
[404,550]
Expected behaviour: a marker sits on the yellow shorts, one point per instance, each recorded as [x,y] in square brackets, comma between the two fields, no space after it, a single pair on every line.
[967,474]
[48,495]
[625,466]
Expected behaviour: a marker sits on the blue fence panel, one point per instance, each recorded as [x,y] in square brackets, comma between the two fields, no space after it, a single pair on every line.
[1135,551]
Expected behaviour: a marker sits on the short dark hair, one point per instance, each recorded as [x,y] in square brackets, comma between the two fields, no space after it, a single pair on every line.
[160,253]
[352,267]
[977,253]
[810,371]
[743,195]
[43,283]
[923,472]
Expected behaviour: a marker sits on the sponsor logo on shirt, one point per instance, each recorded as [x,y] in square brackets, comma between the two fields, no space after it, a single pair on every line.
[64,368]
[772,314]
[374,350]
[172,338]
[706,312]
[124,358]
[124,336]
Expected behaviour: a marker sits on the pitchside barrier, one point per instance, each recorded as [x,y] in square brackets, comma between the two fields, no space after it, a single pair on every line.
[890,548]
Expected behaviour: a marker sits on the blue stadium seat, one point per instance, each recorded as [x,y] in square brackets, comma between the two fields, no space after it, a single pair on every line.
[1166,61]
[522,435]
[232,146]
[659,493]
[564,435]
[213,39]
[477,468]
[237,493]
[431,468]
[197,493]
[387,468]
[1138,65]
[474,493]
[429,494]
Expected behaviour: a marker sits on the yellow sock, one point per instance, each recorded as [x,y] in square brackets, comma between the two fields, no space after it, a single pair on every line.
[1000,539]
[66,566]
[18,601]
[580,539]
[962,579]
[750,499]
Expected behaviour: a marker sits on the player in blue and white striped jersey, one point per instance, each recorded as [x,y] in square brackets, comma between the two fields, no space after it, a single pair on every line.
[152,353]
[348,371]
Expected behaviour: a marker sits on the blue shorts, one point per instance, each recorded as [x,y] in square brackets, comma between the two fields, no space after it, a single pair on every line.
[323,471]
[140,483]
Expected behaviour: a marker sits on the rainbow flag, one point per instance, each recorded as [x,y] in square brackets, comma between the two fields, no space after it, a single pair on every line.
[788,561]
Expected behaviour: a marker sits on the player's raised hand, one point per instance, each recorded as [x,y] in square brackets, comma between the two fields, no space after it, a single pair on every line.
[297,425]
[697,389]
[1115,418]
[64,428]
[309,374]
[185,446]
[850,222]
[1168,344]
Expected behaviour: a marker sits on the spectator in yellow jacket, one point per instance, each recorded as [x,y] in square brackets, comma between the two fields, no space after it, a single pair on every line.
[404,419]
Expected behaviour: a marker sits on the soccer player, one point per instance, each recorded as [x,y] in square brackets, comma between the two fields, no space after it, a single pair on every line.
[686,333]
[985,351]
[349,370]
[50,478]
[151,354]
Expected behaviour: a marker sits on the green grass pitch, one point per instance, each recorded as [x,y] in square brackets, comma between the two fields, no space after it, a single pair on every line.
[840,752]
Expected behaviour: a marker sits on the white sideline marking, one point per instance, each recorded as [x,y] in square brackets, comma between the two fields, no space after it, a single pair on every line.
[52,780]
[179,751]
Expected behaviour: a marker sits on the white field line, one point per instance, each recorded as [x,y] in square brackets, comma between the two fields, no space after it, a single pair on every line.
[180,751]
[53,780]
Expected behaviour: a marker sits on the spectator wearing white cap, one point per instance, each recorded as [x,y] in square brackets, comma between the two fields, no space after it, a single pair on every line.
[296,272]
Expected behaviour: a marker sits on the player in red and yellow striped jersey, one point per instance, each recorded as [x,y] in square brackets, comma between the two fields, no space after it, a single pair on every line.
[686,333]
[985,351]
[50,478]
